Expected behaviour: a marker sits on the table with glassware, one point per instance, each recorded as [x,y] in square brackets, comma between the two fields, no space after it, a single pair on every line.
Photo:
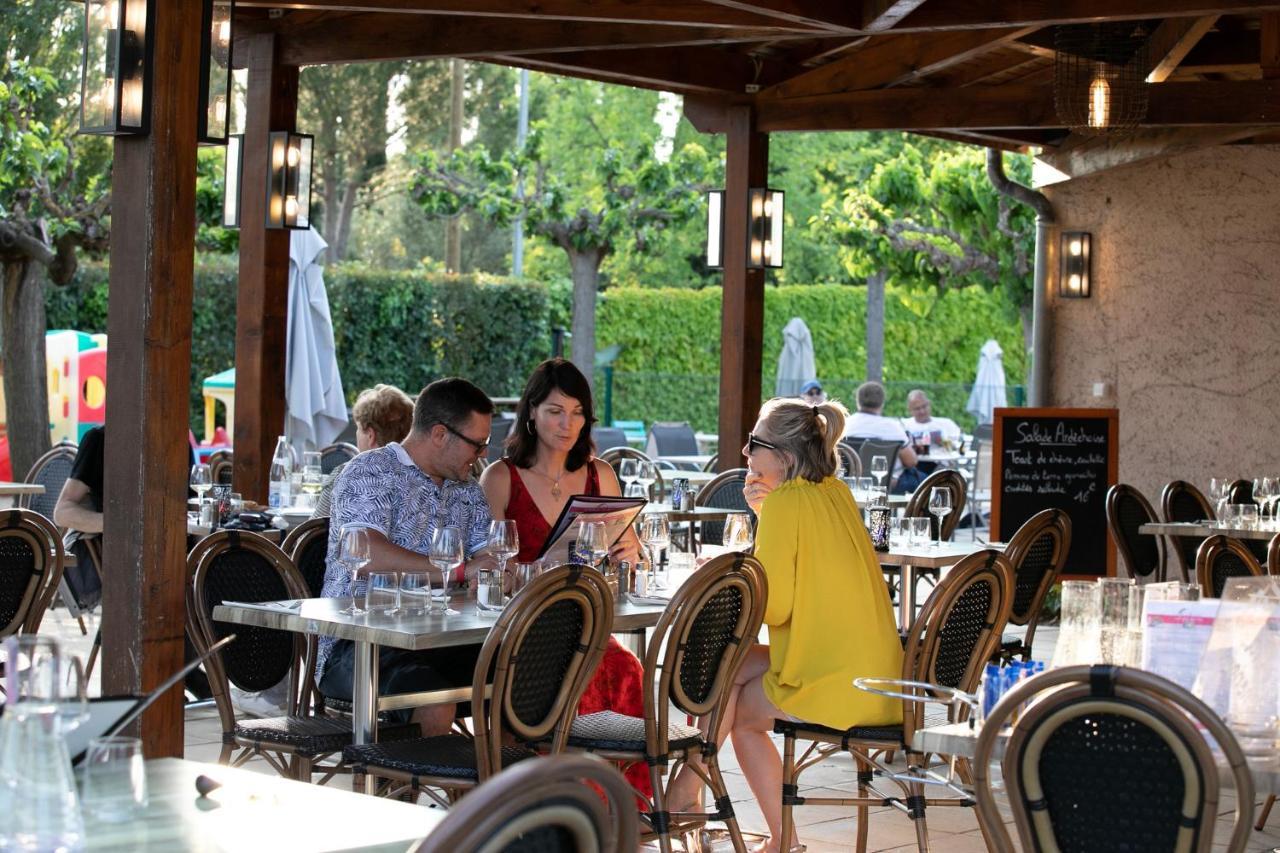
[10,492]
[907,559]
[253,811]
[1264,531]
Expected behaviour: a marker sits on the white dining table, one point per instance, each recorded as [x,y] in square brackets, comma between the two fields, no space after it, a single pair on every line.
[1201,529]
[906,560]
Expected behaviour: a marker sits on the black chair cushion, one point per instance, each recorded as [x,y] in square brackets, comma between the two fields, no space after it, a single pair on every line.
[312,736]
[452,756]
[611,731]
[888,735]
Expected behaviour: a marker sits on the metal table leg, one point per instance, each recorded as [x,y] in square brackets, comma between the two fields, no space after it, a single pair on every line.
[364,699]
[634,641]
[906,596]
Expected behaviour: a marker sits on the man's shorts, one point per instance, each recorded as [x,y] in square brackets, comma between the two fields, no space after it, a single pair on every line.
[401,671]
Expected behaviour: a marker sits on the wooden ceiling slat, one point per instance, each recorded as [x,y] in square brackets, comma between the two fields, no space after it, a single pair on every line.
[686,71]
[1172,41]
[1020,13]
[807,13]
[880,15]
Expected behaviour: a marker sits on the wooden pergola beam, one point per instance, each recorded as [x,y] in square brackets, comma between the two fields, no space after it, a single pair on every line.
[1042,13]
[881,15]
[685,71]
[153,215]
[1172,41]
[1250,102]
[1091,155]
[807,13]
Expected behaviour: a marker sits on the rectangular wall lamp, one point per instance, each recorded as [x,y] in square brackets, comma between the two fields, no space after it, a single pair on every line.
[1074,268]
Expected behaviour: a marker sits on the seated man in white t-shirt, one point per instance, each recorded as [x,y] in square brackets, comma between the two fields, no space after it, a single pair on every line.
[925,430]
[867,422]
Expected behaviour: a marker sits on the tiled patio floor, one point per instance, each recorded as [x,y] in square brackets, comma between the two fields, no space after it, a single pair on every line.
[821,828]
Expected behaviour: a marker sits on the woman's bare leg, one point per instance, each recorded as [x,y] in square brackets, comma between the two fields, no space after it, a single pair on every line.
[758,757]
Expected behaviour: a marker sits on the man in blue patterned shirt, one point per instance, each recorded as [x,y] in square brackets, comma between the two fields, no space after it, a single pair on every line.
[401,493]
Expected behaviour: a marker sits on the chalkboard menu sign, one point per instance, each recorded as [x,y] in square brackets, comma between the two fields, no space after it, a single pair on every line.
[1057,459]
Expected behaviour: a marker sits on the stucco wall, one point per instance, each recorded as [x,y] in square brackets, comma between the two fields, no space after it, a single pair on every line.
[1183,327]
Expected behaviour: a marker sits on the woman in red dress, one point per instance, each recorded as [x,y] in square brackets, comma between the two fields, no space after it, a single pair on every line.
[549,458]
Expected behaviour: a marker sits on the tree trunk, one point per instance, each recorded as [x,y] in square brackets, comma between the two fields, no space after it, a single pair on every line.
[453,225]
[332,195]
[1028,320]
[585,267]
[875,327]
[342,232]
[26,391]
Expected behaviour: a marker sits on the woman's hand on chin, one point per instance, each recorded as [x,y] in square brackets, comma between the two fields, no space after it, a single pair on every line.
[755,491]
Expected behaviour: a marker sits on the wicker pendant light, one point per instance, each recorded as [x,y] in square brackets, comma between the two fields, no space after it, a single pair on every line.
[1099,77]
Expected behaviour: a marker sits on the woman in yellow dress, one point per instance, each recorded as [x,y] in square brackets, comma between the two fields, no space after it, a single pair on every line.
[829,615]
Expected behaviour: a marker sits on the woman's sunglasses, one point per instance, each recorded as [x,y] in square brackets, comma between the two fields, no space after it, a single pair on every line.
[753,443]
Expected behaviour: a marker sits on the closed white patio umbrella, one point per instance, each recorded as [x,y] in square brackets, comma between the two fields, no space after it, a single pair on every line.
[795,362]
[988,391]
[316,410]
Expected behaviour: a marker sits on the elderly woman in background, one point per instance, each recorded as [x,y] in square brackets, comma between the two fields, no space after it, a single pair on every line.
[829,615]
[383,414]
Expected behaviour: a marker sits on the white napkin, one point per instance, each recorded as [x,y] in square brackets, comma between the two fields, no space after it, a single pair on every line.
[289,606]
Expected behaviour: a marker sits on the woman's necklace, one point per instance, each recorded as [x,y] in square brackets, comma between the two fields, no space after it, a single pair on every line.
[555,481]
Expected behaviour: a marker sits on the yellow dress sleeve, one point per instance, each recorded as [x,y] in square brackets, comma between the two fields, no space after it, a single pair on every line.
[776,548]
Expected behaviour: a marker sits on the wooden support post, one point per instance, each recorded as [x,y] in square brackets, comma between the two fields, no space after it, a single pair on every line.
[263,300]
[742,316]
[153,214]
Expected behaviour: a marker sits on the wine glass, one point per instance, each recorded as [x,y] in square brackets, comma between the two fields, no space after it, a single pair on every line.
[446,554]
[1263,489]
[312,474]
[1218,487]
[880,468]
[655,534]
[201,481]
[353,552]
[646,476]
[504,541]
[628,469]
[738,534]
[593,537]
[940,507]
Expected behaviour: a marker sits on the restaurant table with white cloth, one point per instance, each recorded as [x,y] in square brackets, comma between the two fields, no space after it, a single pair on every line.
[254,811]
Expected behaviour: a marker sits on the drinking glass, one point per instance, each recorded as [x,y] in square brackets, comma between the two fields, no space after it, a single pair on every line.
[738,534]
[655,534]
[382,594]
[628,470]
[900,533]
[635,490]
[865,487]
[1218,488]
[115,779]
[237,502]
[940,507]
[446,554]
[919,530]
[489,593]
[525,573]
[201,480]
[880,468]
[1113,603]
[1263,489]
[353,552]
[1247,516]
[593,537]
[415,592]
[1078,636]
[312,475]
[646,476]
[504,541]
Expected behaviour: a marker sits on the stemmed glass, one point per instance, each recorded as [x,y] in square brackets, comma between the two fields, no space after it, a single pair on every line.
[738,535]
[880,468]
[593,538]
[201,481]
[646,476]
[446,554]
[504,541]
[940,508]
[1218,488]
[628,470]
[1263,489]
[312,474]
[353,552]
[655,534]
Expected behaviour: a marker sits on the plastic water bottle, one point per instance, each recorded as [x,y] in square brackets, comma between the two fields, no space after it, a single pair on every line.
[278,494]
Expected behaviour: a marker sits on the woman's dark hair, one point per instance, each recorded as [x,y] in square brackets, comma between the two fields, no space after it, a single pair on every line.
[554,374]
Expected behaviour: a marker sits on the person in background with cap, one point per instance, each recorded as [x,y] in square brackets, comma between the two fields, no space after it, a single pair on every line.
[812,393]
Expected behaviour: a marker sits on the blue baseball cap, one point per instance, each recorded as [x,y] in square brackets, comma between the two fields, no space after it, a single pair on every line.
[811,385]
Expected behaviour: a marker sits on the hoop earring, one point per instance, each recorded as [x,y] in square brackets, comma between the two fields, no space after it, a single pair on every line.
[529,426]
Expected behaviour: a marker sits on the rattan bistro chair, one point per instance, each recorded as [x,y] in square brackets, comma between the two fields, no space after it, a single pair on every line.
[693,656]
[233,565]
[918,507]
[538,656]
[1143,554]
[308,545]
[550,804]
[51,471]
[615,455]
[850,464]
[724,491]
[31,562]
[1221,558]
[221,467]
[869,448]
[1037,553]
[1110,758]
[949,643]
[337,454]
[1240,492]
[1180,502]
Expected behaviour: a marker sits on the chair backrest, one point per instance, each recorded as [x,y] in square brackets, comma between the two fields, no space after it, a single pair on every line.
[1037,553]
[539,656]
[672,439]
[221,466]
[1273,555]
[307,545]
[566,803]
[982,468]
[724,491]
[984,432]
[849,460]
[1222,557]
[918,505]
[615,455]
[51,471]
[499,429]
[869,448]
[1240,492]
[1110,758]
[958,629]
[1127,510]
[700,642]
[30,569]
[234,565]
[1181,501]
[710,464]
[335,454]
[608,437]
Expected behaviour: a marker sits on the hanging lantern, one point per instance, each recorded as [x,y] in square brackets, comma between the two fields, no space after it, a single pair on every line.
[215,72]
[289,180]
[116,69]
[1099,77]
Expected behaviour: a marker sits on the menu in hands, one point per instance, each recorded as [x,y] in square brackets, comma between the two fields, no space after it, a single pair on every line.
[618,514]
